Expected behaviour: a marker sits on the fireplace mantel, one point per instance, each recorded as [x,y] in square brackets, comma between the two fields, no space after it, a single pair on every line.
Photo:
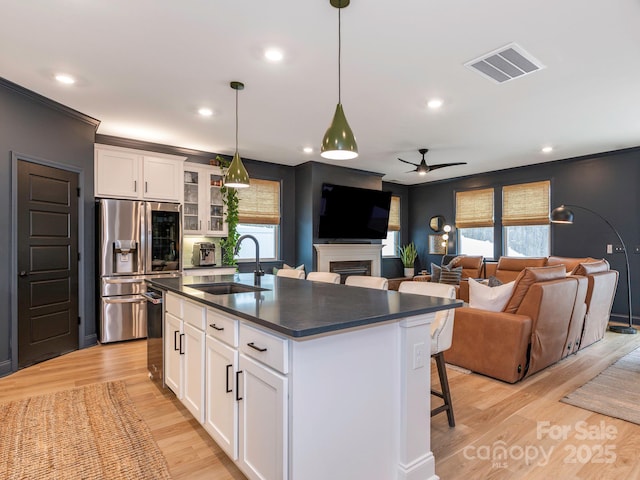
[339,252]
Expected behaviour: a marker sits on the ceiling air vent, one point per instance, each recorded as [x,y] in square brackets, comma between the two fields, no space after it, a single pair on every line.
[506,63]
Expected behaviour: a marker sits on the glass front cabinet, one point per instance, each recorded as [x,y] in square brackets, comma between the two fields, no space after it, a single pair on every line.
[203,208]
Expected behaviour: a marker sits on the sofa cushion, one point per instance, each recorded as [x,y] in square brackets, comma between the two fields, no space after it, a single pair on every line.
[528,277]
[508,268]
[587,268]
[570,263]
[489,298]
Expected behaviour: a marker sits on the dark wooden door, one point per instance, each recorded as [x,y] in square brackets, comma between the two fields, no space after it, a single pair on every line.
[47,215]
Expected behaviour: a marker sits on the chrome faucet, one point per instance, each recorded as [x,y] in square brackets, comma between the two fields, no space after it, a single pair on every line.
[257,273]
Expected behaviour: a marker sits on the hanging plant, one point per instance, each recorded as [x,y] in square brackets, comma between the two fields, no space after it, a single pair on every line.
[230,199]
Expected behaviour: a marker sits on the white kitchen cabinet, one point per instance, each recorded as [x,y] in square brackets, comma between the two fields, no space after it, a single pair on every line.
[194,371]
[184,347]
[173,343]
[128,173]
[263,421]
[221,406]
[203,212]
[194,317]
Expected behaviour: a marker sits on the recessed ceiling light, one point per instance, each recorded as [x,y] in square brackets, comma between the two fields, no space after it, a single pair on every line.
[434,103]
[307,149]
[205,112]
[273,54]
[65,78]
[547,149]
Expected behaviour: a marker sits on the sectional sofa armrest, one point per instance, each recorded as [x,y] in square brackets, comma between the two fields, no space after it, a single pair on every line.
[463,290]
[550,305]
[491,343]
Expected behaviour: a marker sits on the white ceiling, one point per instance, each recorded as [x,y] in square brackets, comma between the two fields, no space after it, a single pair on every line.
[144,67]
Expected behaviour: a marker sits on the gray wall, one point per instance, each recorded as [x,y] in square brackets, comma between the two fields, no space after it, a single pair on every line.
[606,183]
[41,129]
[309,179]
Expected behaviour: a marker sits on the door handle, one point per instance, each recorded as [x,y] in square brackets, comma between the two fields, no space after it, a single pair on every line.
[238,397]
[228,390]
[23,273]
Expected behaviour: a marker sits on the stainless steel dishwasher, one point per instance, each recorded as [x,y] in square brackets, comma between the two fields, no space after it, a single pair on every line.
[155,357]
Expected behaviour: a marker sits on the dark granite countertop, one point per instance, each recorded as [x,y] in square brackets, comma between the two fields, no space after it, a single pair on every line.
[300,308]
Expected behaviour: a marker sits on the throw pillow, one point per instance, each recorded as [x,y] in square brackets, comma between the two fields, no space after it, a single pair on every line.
[588,268]
[450,276]
[492,299]
[528,277]
[435,273]
[493,281]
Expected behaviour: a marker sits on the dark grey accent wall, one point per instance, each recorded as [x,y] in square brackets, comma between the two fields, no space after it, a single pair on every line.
[309,179]
[606,183]
[42,129]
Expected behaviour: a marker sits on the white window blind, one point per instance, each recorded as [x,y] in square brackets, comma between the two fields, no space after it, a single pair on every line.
[525,204]
[474,208]
[394,214]
[260,203]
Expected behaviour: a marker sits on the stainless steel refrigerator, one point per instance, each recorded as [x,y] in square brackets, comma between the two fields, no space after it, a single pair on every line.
[136,240]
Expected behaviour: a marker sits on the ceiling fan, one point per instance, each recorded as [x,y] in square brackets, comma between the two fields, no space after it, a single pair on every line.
[422,168]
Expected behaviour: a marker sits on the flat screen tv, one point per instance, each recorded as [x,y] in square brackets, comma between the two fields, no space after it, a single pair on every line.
[353,213]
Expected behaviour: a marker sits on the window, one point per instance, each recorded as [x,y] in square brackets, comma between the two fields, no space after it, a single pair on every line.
[525,219]
[474,222]
[392,242]
[259,215]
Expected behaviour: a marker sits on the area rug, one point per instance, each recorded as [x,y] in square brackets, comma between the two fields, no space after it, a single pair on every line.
[615,392]
[88,433]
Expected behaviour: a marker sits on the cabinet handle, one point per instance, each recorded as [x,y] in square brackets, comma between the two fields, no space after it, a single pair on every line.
[215,327]
[146,189]
[135,185]
[175,340]
[260,349]
[200,225]
[181,344]
[209,225]
[238,397]
[229,390]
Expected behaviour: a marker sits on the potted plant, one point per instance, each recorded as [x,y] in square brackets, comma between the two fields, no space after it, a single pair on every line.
[230,199]
[408,255]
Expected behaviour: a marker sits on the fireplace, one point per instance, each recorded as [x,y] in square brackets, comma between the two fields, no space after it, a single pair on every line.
[350,267]
[349,259]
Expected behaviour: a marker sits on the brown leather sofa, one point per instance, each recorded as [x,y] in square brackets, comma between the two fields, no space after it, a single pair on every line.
[538,326]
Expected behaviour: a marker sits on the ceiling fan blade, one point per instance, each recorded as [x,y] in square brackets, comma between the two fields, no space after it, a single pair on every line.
[414,164]
[411,171]
[442,165]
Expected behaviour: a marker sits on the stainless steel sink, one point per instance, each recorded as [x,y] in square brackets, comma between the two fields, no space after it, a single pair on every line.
[227,288]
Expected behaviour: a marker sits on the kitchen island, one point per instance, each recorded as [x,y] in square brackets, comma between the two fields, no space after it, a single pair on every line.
[304,380]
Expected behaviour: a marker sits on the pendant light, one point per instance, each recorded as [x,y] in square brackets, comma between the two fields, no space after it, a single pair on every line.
[236,176]
[339,143]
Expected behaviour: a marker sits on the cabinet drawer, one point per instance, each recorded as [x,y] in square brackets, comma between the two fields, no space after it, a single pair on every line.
[222,327]
[173,304]
[265,347]
[194,314]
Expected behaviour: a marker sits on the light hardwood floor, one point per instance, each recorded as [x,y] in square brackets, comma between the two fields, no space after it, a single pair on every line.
[489,414]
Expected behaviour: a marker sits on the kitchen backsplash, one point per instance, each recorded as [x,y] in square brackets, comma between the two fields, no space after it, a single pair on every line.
[187,249]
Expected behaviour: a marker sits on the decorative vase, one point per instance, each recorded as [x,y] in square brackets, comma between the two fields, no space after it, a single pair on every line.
[408,271]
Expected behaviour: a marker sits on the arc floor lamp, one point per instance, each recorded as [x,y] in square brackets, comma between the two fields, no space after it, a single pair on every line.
[563,214]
